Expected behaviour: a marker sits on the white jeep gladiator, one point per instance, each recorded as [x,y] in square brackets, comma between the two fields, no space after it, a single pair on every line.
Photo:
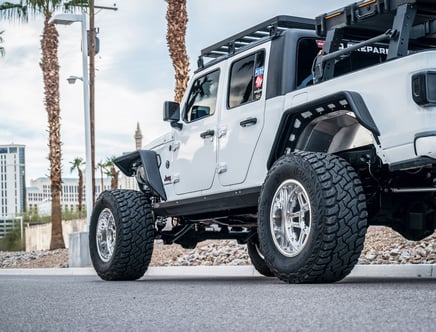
[293,137]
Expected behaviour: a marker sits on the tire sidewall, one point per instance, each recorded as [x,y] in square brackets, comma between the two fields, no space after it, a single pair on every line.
[106,201]
[257,258]
[295,168]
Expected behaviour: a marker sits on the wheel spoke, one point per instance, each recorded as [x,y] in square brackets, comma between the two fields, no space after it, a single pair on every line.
[290,218]
[106,235]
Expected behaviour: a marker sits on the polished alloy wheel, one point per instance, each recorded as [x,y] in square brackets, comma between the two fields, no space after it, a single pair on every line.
[106,235]
[290,218]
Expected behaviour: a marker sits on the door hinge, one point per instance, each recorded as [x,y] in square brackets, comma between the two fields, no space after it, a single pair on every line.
[222,132]
[176,178]
[175,146]
[221,168]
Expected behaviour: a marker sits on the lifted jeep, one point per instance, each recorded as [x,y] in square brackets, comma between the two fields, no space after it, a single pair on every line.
[293,137]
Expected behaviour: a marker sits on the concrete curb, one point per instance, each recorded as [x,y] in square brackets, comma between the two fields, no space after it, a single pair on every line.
[247,271]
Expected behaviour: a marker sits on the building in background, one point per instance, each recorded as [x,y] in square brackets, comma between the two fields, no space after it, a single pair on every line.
[12,185]
[39,194]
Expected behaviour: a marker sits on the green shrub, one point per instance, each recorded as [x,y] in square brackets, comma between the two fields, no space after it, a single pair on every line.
[12,241]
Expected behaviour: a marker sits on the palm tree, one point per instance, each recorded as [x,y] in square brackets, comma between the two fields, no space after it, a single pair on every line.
[50,70]
[112,172]
[76,164]
[177,19]
[102,167]
[2,49]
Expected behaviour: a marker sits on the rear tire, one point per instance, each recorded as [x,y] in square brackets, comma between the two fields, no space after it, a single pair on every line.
[121,235]
[257,258]
[312,218]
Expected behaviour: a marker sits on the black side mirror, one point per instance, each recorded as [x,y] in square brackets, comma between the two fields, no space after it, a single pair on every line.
[171,113]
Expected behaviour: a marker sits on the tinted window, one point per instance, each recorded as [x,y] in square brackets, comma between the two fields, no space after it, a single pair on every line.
[246,80]
[202,97]
[309,48]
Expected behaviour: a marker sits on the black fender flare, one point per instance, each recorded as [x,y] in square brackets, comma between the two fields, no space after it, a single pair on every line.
[150,160]
[343,100]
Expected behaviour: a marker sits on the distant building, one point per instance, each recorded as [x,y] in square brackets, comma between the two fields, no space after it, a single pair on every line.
[39,194]
[12,185]
[138,137]
[129,182]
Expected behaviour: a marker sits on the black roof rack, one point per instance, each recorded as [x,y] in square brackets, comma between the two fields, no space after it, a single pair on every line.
[267,29]
[368,18]
[397,22]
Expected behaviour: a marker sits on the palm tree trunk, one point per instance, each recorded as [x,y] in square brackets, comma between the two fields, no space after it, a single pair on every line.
[80,192]
[101,179]
[177,19]
[50,69]
[114,179]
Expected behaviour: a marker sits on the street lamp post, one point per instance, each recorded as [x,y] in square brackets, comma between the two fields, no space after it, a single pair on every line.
[78,242]
[68,19]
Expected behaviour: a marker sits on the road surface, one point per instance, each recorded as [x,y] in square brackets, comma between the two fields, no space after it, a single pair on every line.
[208,303]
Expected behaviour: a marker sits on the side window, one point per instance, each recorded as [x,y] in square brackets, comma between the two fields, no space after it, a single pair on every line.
[308,49]
[246,80]
[202,97]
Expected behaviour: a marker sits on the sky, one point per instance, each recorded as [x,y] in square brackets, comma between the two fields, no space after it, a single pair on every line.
[134,74]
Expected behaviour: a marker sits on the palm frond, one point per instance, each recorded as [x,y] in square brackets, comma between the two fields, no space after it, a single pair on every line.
[14,11]
[2,49]
[73,5]
[76,164]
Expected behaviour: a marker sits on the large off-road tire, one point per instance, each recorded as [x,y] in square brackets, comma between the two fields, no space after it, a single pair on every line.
[257,258]
[121,235]
[312,218]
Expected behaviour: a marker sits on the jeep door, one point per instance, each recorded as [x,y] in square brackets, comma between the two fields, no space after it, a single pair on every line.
[195,148]
[242,117]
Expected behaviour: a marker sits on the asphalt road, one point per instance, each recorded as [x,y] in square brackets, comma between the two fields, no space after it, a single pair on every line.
[86,303]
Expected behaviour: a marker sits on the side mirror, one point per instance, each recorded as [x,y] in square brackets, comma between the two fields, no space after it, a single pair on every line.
[171,111]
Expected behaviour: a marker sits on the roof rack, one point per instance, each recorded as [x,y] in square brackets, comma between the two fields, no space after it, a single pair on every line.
[398,22]
[268,29]
[369,18]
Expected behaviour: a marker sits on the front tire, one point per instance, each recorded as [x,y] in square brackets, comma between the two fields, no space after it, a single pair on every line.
[312,218]
[121,235]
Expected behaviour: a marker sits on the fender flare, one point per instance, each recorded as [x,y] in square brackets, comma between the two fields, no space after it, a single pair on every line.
[343,100]
[150,160]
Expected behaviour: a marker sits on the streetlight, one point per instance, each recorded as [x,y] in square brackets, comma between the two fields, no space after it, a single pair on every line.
[68,19]
[72,79]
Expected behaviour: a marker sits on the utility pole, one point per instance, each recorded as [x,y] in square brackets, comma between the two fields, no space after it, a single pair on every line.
[92,91]
[92,52]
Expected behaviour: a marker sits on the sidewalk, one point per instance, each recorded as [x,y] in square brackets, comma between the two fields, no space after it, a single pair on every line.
[360,271]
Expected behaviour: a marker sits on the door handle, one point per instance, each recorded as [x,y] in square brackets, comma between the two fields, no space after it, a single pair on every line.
[207,133]
[248,122]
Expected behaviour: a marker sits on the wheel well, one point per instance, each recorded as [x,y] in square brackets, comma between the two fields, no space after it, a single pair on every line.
[333,132]
[335,123]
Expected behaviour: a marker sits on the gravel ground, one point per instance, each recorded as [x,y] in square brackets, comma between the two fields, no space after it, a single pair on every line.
[382,246]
